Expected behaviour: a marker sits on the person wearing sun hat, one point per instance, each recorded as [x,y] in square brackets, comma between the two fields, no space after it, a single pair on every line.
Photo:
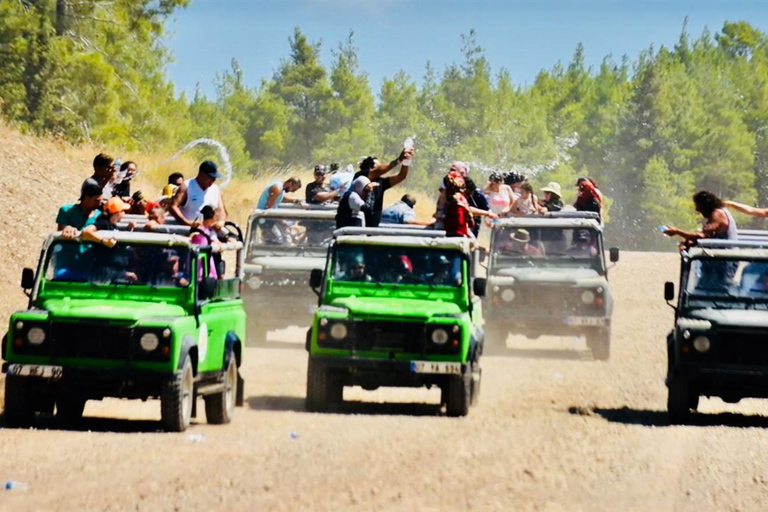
[520,243]
[551,199]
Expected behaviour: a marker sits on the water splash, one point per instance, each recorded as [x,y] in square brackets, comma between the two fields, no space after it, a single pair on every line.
[226,164]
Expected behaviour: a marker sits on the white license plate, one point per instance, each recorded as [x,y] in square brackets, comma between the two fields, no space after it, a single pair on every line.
[35,370]
[435,367]
[586,320]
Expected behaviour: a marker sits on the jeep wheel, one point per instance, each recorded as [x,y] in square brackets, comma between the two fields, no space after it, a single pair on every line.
[679,400]
[458,395]
[220,407]
[176,399]
[18,410]
[317,386]
[599,343]
[69,408]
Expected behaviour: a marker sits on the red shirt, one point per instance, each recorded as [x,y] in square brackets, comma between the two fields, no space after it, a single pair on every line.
[456,220]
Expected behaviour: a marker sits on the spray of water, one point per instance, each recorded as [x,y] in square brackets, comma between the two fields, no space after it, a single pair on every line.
[226,164]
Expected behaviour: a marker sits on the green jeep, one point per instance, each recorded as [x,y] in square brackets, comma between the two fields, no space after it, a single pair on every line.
[398,307]
[718,344]
[547,275]
[282,246]
[139,320]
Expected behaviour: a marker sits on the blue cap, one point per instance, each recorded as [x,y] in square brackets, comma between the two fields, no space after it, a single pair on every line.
[211,169]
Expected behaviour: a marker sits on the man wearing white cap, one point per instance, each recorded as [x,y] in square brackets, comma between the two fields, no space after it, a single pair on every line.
[551,200]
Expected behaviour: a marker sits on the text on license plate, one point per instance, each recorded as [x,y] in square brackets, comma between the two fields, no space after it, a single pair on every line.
[435,367]
[586,320]
[35,370]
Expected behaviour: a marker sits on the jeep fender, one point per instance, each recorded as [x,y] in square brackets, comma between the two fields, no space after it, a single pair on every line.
[476,341]
[232,345]
[188,344]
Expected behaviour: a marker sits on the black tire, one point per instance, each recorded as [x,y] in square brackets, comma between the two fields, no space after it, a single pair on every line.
[458,395]
[18,410]
[477,374]
[70,408]
[220,407]
[317,386]
[176,399]
[599,343]
[679,400]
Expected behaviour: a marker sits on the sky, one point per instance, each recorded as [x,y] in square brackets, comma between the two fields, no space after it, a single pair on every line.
[392,35]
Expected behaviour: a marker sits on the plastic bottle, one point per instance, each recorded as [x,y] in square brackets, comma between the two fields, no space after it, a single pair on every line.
[407,145]
[661,229]
[12,485]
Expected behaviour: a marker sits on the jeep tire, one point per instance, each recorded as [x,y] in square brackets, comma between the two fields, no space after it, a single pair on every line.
[18,409]
[176,398]
[220,407]
[599,342]
[680,400]
[476,377]
[69,408]
[458,395]
[317,386]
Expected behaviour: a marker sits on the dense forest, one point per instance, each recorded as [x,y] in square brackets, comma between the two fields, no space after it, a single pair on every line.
[649,129]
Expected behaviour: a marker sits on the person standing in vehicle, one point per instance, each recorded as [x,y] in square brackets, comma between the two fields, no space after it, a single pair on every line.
[458,219]
[316,192]
[197,192]
[373,170]
[402,213]
[500,196]
[72,218]
[128,171]
[527,203]
[358,200]
[589,198]
[718,221]
[275,192]
[551,201]
[103,171]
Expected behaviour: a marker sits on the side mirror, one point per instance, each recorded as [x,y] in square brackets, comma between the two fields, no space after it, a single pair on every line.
[614,254]
[27,279]
[316,278]
[669,291]
[207,288]
[478,286]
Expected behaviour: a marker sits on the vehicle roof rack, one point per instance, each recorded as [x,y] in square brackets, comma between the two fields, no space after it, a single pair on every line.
[293,213]
[305,206]
[569,214]
[716,243]
[388,231]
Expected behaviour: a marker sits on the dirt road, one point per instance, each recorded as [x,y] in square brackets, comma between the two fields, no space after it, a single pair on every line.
[554,431]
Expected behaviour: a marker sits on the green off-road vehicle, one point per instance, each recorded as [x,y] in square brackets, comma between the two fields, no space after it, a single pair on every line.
[397,308]
[140,320]
[282,246]
[719,344]
[547,275]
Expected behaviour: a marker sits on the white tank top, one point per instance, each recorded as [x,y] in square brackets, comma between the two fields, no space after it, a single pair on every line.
[197,198]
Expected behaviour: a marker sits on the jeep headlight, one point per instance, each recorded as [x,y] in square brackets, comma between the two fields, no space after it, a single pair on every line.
[36,336]
[149,341]
[439,336]
[701,344]
[508,295]
[587,296]
[254,283]
[338,331]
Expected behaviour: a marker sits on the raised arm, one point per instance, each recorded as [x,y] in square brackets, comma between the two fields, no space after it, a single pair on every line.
[384,167]
[749,210]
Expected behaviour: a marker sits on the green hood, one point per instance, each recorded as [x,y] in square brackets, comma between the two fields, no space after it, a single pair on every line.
[110,309]
[402,308]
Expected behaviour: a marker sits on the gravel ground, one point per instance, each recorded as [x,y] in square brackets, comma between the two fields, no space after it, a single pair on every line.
[554,431]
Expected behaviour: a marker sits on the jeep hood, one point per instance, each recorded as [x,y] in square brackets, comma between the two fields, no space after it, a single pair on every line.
[399,308]
[110,309]
[572,276]
[731,317]
[270,263]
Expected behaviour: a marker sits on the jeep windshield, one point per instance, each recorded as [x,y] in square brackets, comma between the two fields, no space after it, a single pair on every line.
[127,264]
[397,265]
[275,236]
[727,283]
[546,247]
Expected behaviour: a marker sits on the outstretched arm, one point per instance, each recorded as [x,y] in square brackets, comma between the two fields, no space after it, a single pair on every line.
[749,210]
[384,167]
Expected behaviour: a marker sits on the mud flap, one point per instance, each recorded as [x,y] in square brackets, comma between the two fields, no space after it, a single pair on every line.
[240,397]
